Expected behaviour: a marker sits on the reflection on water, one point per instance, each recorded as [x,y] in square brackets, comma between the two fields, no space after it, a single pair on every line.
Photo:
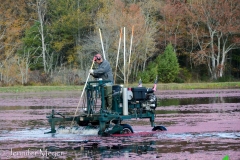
[161,102]
[189,101]
[94,147]
[26,107]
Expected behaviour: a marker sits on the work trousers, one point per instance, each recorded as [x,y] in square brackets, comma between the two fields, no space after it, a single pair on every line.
[108,96]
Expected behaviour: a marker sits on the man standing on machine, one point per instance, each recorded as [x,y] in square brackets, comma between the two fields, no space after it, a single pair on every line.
[104,71]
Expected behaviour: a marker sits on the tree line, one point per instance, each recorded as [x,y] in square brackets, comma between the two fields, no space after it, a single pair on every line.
[52,41]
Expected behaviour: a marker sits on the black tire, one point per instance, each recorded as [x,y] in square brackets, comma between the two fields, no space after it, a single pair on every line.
[104,134]
[95,123]
[82,123]
[126,129]
[159,128]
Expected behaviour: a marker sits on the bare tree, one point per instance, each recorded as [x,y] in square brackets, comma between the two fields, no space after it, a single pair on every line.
[148,8]
[2,34]
[218,24]
[173,22]
[114,17]
[24,64]
[8,68]
[212,28]
[41,10]
[14,17]
[40,7]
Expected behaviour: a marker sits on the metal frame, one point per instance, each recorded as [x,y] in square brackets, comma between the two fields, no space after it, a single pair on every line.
[109,121]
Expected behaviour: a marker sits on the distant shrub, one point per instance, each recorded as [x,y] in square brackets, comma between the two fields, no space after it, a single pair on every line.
[178,80]
[226,78]
[183,76]
[144,76]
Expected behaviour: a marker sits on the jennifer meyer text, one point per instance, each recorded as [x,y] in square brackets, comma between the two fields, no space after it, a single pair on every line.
[41,153]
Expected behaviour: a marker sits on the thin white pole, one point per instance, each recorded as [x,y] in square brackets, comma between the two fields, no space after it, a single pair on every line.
[124,55]
[119,45]
[102,43]
[129,58]
[130,51]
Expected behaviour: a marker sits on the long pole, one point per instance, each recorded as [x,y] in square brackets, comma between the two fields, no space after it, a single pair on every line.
[119,45]
[81,95]
[130,51]
[102,43]
[124,55]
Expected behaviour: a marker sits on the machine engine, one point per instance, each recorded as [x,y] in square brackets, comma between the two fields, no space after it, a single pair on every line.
[145,97]
[150,103]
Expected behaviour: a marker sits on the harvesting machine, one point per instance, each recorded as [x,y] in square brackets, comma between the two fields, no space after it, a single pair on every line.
[106,106]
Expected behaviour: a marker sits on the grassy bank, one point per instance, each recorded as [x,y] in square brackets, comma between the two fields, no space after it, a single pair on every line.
[160,86]
[17,89]
[182,86]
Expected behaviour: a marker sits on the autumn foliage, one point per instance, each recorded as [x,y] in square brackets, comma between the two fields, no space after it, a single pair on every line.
[54,39]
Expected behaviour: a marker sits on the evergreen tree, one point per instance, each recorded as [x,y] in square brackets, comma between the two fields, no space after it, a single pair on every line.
[168,66]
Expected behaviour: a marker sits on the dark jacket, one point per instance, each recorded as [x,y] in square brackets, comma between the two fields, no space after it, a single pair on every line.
[103,71]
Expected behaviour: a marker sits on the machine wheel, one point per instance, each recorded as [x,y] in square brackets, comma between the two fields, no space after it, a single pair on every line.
[126,129]
[159,128]
[82,123]
[95,123]
[105,134]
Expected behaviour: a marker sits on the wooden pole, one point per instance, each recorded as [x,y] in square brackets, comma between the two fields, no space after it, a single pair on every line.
[119,44]
[124,55]
[102,43]
[82,94]
[130,51]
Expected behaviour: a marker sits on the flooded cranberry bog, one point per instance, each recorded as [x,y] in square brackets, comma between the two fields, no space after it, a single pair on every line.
[201,124]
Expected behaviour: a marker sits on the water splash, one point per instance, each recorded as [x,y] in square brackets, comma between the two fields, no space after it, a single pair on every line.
[78,130]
